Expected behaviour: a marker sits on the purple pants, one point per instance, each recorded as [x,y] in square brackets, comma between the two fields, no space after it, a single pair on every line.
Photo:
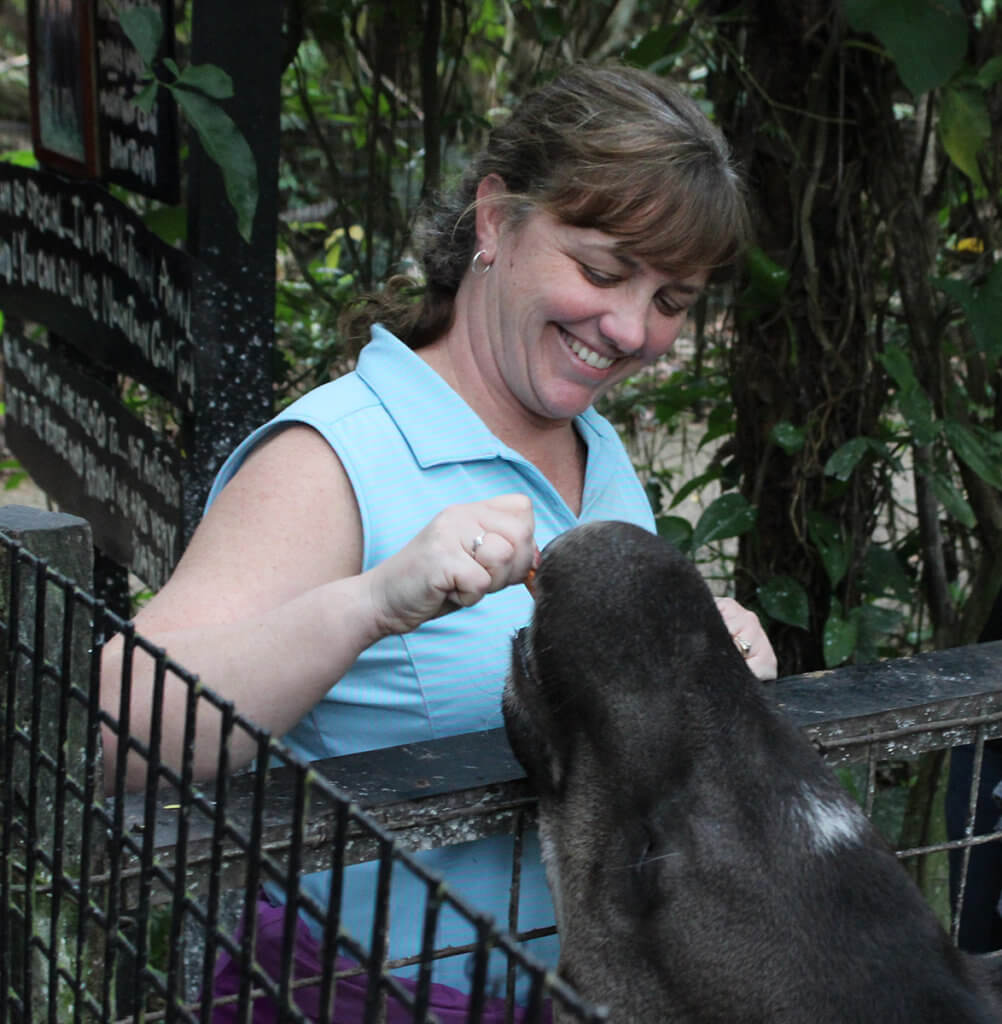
[449,1005]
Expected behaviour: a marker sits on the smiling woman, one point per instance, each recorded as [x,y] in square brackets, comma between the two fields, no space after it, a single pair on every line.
[565,314]
[610,148]
[350,585]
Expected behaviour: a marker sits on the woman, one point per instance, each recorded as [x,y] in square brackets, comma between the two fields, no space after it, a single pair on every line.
[320,592]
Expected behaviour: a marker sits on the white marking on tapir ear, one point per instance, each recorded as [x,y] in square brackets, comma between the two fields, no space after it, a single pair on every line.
[828,823]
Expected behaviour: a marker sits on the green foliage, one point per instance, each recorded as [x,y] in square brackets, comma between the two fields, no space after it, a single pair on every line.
[12,473]
[227,147]
[767,281]
[926,40]
[360,149]
[840,637]
[730,515]
[887,522]
[830,541]
[20,157]
[785,600]
[788,436]
[144,29]
[982,307]
[197,92]
[965,126]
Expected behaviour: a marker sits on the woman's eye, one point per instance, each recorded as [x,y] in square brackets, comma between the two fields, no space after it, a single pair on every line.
[599,277]
[669,308]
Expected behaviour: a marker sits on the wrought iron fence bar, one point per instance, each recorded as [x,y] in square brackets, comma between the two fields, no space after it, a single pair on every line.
[31,839]
[8,966]
[88,939]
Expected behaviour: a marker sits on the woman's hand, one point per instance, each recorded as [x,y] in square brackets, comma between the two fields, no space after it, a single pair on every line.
[465,552]
[748,634]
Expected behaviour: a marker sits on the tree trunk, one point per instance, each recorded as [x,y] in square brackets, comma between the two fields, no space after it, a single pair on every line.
[793,109]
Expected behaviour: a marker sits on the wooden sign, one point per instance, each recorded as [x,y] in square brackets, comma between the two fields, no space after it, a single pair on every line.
[96,459]
[62,85]
[83,264]
[139,150]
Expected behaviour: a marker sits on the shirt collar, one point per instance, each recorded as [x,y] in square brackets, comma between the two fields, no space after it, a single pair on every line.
[438,424]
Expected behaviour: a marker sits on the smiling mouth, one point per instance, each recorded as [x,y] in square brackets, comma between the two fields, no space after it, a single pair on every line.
[587,355]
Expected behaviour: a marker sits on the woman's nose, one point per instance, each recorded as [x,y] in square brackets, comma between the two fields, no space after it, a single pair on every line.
[625,327]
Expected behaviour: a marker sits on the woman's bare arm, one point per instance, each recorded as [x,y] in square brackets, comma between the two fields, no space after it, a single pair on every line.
[268,605]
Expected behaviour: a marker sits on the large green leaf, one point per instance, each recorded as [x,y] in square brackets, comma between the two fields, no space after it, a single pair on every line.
[676,530]
[729,516]
[844,460]
[696,483]
[884,574]
[169,222]
[207,78]
[876,625]
[788,436]
[983,307]
[227,147]
[917,409]
[767,281]
[977,451]
[785,600]
[657,49]
[838,640]
[826,535]
[951,499]
[144,29]
[913,402]
[990,72]
[878,619]
[927,39]
[964,127]
[896,362]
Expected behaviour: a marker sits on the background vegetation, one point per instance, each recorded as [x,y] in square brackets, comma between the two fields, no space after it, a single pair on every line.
[844,389]
[843,392]
[847,385]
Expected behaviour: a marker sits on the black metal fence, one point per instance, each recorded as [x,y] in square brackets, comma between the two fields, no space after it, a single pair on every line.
[124,907]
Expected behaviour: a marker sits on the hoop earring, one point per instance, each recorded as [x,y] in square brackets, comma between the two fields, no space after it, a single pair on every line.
[479,265]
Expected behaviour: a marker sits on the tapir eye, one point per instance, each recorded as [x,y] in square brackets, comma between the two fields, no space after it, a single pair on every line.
[644,878]
[646,847]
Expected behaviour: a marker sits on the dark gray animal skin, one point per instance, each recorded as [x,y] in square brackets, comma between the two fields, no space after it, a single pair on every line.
[705,864]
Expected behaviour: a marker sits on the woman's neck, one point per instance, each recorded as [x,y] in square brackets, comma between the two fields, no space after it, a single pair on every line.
[554,447]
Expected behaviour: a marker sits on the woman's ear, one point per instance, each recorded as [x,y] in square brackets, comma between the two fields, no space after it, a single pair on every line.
[490,215]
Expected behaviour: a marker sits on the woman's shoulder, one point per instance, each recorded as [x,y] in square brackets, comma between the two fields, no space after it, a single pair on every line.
[331,401]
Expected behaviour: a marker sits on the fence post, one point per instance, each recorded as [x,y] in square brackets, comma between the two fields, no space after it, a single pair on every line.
[50,760]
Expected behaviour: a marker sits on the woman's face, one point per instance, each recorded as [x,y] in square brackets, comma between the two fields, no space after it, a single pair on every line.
[569,314]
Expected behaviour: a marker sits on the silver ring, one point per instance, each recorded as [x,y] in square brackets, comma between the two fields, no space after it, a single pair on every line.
[477,541]
[743,645]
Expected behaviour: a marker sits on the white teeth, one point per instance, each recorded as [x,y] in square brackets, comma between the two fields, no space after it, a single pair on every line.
[588,355]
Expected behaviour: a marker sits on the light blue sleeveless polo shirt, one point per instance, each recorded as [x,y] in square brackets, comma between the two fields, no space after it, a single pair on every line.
[411,447]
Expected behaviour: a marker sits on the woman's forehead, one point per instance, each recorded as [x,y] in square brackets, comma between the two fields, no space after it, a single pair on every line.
[603,243]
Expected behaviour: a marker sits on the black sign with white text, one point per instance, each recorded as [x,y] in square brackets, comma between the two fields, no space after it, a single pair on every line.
[94,457]
[76,259]
[139,150]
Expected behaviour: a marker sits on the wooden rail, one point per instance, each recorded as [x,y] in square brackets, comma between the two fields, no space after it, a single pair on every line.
[469,786]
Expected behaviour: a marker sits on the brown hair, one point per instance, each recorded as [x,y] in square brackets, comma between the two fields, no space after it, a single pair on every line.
[607,147]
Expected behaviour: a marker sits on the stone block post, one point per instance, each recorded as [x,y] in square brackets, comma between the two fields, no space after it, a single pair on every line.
[51,953]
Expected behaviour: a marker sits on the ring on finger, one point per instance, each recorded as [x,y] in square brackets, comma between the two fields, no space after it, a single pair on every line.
[477,542]
[743,646]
